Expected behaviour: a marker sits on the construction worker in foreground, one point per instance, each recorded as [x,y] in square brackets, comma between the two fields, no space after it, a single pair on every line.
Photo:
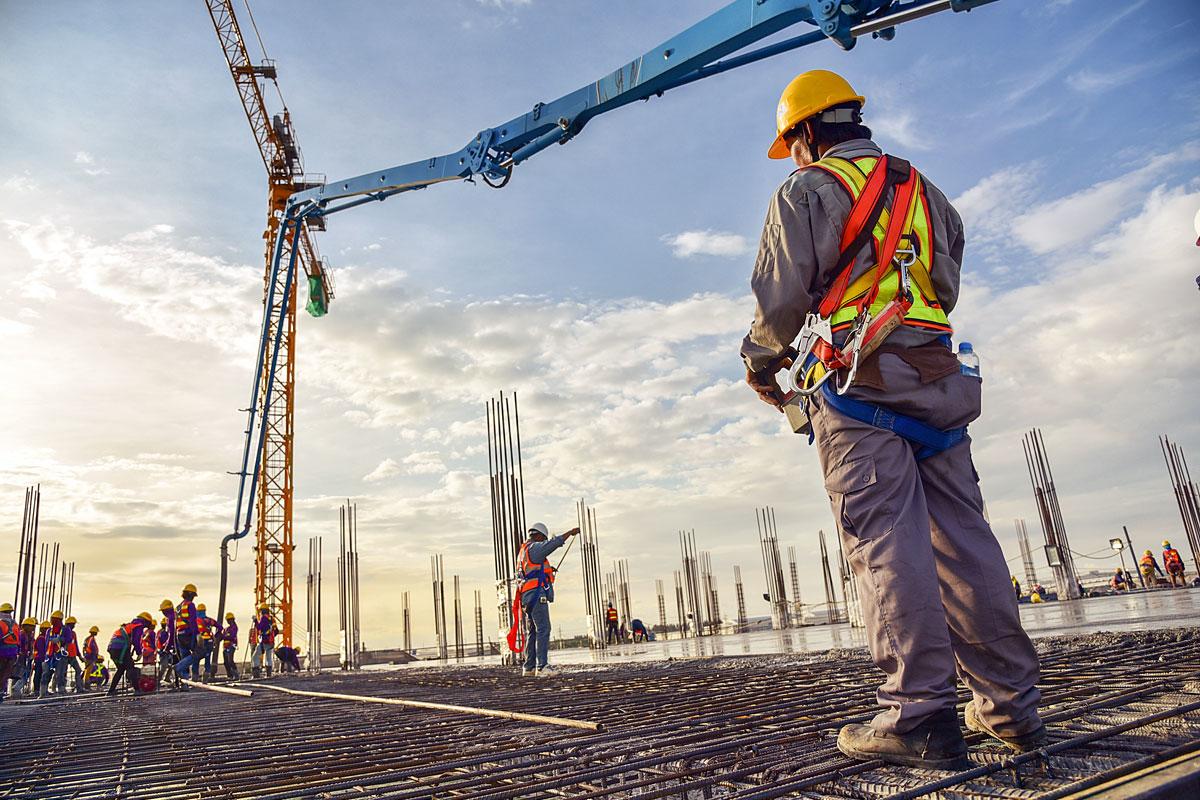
[893,448]
[124,646]
[10,646]
[612,627]
[1173,564]
[1148,565]
[534,596]
[229,635]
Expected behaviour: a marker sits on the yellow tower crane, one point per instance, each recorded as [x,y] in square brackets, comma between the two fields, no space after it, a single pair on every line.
[285,175]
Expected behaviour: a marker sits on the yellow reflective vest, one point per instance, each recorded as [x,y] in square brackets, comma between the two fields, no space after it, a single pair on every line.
[926,312]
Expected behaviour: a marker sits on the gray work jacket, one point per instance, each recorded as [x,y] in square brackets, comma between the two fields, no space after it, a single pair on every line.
[799,249]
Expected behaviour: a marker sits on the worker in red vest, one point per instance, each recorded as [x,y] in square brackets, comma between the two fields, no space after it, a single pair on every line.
[10,646]
[68,656]
[123,648]
[1173,563]
[1148,565]
[205,641]
[534,595]
[858,246]
[612,628]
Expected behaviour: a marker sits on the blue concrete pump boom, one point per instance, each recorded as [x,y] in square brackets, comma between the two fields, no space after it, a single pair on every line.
[494,152]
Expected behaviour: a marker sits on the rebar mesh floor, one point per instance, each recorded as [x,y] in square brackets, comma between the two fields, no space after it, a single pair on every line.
[756,727]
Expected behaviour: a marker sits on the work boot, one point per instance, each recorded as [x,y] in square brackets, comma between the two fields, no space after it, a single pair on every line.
[547,672]
[1023,743]
[528,671]
[937,743]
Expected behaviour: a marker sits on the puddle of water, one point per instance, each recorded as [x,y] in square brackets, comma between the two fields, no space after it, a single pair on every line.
[1136,611]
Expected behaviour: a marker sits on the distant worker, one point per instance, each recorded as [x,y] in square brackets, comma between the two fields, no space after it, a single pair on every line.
[10,646]
[1016,587]
[1149,567]
[91,653]
[534,596]
[53,655]
[1173,563]
[149,653]
[289,658]
[265,627]
[894,450]
[68,644]
[229,635]
[206,632]
[125,644]
[640,634]
[40,645]
[1036,597]
[187,633]
[95,674]
[168,655]
[1119,581]
[612,627]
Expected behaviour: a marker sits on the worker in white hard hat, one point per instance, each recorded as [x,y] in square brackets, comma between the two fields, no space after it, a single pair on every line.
[535,593]
[859,265]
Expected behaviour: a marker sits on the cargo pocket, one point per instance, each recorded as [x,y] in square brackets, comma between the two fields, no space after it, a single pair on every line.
[853,495]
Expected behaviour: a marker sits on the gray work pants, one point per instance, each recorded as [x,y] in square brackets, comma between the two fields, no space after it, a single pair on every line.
[537,642]
[935,590]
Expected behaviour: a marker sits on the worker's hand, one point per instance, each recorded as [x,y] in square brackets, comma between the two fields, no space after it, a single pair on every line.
[763,383]
[570,533]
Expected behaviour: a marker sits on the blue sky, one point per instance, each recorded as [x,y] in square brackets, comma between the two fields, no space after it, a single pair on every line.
[607,283]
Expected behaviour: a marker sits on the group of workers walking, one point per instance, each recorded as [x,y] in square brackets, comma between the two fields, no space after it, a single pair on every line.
[36,657]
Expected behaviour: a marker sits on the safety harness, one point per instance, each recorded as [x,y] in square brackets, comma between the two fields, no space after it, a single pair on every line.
[536,580]
[879,302]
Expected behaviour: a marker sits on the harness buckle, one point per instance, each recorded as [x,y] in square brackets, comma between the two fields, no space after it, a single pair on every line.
[817,329]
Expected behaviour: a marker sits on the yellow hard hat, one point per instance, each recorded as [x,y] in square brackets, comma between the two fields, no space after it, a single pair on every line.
[200,607]
[191,587]
[6,608]
[1166,543]
[264,607]
[165,622]
[56,615]
[70,621]
[29,621]
[229,615]
[809,93]
[146,616]
[165,604]
[1148,553]
[44,624]
[93,629]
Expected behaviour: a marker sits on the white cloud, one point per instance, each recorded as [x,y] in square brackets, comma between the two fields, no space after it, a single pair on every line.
[88,162]
[707,243]
[427,462]
[388,468]
[900,126]
[19,183]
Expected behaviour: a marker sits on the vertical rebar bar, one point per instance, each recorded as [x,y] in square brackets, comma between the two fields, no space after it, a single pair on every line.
[741,598]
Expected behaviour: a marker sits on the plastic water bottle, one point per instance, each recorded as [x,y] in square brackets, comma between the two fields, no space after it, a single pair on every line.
[968,360]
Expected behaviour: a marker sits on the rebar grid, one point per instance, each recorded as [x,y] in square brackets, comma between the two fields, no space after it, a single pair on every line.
[753,727]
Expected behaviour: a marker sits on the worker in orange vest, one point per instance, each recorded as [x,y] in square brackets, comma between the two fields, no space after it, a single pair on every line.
[91,652]
[10,645]
[857,246]
[1149,567]
[1173,562]
[612,630]
[68,644]
[534,596]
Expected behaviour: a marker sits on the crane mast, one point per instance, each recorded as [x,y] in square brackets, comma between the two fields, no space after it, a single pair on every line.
[274,541]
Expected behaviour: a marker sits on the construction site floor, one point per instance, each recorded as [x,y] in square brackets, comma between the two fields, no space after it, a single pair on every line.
[734,727]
